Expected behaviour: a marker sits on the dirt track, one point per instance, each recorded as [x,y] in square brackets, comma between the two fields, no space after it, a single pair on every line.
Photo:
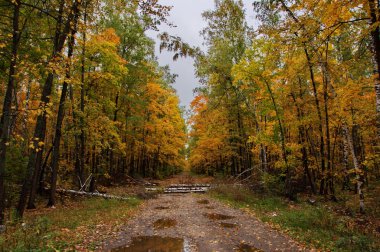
[197,220]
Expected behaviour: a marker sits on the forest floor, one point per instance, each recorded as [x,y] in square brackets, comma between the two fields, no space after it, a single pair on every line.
[227,218]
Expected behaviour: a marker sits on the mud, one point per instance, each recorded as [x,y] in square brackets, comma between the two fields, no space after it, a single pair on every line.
[197,230]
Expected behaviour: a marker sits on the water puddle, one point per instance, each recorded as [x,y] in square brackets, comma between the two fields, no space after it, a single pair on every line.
[164,223]
[155,244]
[228,225]
[203,201]
[215,216]
[247,248]
[161,207]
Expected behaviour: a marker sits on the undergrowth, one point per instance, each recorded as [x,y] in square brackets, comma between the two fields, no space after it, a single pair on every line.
[316,225]
[66,227]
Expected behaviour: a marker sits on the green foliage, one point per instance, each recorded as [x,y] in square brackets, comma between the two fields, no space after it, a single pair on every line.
[273,183]
[16,162]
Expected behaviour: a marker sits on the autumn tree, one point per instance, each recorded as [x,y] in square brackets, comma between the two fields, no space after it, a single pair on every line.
[299,93]
[84,100]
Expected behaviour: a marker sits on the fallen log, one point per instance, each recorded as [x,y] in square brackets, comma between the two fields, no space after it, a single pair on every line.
[180,188]
[184,191]
[89,194]
[189,185]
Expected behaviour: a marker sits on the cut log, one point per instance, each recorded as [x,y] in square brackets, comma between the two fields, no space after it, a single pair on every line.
[185,191]
[81,193]
[189,185]
[181,188]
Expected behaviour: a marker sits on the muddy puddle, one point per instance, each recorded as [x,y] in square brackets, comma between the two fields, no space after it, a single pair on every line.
[247,248]
[155,244]
[161,207]
[203,201]
[164,223]
[228,225]
[216,216]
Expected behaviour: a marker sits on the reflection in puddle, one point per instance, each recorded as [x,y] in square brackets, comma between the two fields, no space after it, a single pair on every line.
[161,207]
[155,244]
[215,216]
[228,225]
[203,201]
[164,223]
[247,248]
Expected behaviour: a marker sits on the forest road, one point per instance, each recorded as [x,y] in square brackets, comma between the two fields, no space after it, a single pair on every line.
[188,222]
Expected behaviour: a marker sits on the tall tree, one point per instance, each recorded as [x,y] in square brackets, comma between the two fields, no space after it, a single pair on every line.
[40,129]
[7,106]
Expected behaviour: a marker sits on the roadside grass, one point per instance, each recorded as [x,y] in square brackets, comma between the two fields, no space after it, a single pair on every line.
[80,224]
[318,225]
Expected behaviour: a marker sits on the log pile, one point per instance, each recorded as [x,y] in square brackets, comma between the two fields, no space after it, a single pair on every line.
[94,194]
[182,188]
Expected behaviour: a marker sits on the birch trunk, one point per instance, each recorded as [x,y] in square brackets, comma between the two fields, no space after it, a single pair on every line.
[358,171]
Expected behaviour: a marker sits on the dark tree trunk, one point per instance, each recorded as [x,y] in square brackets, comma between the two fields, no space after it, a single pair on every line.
[7,107]
[36,175]
[375,36]
[330,179]
[35,158]
[94,171]
[315,93]
[302,141]
[320,126]
[111,154]
[82,149]
[42,173]
[289,188]
[40,129]
[61,115]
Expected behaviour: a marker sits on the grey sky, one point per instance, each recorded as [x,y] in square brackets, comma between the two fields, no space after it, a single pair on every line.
[186,15]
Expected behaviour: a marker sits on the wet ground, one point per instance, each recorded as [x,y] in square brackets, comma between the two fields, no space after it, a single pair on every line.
[187,222]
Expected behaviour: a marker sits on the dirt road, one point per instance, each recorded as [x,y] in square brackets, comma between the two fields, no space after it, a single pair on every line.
[187,222]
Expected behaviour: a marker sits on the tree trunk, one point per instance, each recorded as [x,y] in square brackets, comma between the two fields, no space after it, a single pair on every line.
[42,173]
[375,36]
[326,75]
[82,149]
[289,188]
[320,126]
[61,115]
[40,129]
[358,170]
[302,141]
[315,93]
[346,178]
[36,175]
[7,107]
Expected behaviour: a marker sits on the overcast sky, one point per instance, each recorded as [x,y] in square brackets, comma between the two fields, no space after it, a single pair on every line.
[186,15]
